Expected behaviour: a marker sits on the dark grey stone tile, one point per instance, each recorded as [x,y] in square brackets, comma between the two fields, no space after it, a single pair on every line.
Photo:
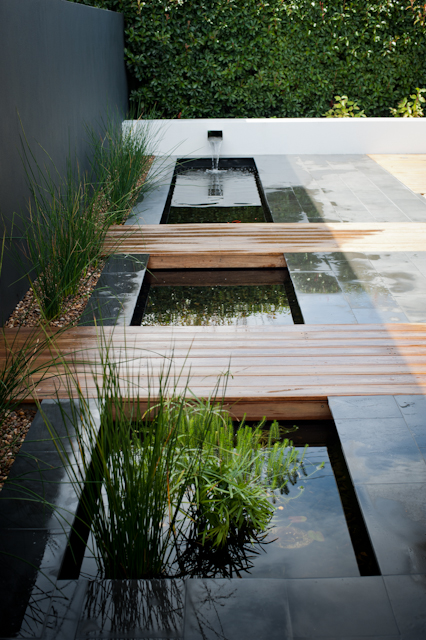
[349,267]
[307,262]
[369,407]
[358,295]
[324,308]
[405,281]
[418,258]
[388,260]
[317,282]
[416,216]
[413,408]
[39,438]
[123,263]
[108,310]
[341,608]
[302,195]
[246,609]
[392,637]
[380,450]
[119,284]
[414,305]
[28,578]
[407,595]
[354,215]
[409,204]
[395,515]
[65,610]
[36,484]
[354,270]
[114,298]
[387,213]
[132,609]
[379,316]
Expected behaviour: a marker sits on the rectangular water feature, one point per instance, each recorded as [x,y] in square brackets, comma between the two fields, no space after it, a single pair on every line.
[202,297]
[231,194]
[308,536]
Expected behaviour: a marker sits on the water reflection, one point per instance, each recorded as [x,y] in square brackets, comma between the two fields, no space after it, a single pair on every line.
[224,188]
[215,191]
[217,305]
[129,606]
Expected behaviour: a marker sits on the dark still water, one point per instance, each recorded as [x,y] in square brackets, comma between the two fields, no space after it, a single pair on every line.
[205,196]
[209,298]
[309,531]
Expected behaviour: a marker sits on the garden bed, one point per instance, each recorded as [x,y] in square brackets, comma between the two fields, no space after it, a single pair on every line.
[27,312]
[14,428]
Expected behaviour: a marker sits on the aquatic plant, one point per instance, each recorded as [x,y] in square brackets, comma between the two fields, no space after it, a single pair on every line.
[229,496]
[154,476]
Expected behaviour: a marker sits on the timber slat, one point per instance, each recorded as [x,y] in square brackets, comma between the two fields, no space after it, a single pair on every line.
[287,370]
[258,244]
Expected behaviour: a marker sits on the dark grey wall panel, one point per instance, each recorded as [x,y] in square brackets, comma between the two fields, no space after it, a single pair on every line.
[61,67]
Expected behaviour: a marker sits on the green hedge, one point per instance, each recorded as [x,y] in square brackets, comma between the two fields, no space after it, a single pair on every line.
[252,58]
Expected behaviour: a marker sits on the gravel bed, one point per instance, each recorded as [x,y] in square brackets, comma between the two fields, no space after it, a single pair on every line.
[14,428]
[27,312]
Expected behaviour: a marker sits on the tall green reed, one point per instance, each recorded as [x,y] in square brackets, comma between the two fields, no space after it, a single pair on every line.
[122,158]
[21,365]
[63,233]
[153,474]
[124,476]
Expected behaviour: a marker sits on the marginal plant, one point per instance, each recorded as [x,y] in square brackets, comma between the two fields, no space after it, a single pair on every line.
[122,158]
[229,495]
[344,108]
[63,233]
[153,478]
[410,108]
[20,366]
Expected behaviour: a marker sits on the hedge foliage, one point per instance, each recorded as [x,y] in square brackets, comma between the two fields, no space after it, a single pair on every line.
[284,58]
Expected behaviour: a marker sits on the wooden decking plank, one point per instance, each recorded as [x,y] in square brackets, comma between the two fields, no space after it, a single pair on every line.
[262,242]
[274,370]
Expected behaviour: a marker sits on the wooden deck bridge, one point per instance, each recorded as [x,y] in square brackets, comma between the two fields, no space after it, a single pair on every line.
[258,245]
[285,372]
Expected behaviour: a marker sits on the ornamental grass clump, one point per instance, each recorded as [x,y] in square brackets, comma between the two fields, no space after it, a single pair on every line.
[122,158]
[153,479]
[21,367]
[63,233]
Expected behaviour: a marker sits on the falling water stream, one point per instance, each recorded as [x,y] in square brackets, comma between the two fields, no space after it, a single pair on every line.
[215,143]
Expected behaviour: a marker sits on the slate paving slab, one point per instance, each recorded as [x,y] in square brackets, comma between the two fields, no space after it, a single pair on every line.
[395,515]
[374,288]
[114,298]
[387,467]
[407,595]
[341,608]
[253,610]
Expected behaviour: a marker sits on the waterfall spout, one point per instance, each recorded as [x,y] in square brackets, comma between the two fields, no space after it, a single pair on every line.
[215,138]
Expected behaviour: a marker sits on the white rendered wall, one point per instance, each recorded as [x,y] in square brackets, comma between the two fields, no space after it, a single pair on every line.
[276,136]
